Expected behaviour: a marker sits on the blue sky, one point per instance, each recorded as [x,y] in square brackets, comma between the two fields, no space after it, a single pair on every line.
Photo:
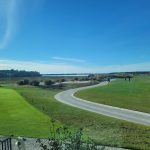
[67,36]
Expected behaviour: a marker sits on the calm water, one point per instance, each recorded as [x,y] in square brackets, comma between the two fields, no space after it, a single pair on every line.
[65,75]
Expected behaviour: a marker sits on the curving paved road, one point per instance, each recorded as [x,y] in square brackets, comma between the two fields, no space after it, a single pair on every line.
[68,98]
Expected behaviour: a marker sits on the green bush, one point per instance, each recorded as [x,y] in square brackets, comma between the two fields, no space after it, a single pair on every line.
[35,83]
[62,138]
[49,82]
[23,82]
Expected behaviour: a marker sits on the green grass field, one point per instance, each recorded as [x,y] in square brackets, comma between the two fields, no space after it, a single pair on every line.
[104,130]
[17,117]
[24,111]
[133,95]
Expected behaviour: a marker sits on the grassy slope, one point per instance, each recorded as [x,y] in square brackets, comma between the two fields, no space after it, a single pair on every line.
[134,95]
[103,129]
[17,117]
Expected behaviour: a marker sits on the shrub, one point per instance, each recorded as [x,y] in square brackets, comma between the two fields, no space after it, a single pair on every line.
[48,82]
[26,82]
[76,79]
[62,80]
[35,83]
[23,82]
[20,82]
[62,138]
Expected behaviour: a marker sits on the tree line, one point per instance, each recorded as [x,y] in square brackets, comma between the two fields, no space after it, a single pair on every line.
[17,73]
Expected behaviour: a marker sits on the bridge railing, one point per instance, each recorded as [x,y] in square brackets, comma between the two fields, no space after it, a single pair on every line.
[6,144]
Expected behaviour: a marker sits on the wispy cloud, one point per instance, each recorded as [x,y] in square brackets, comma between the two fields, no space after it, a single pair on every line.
[10,7]
[68,59]
[67,68]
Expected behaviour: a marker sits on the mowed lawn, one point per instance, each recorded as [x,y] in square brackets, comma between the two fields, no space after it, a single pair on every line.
[19,118]
[104,130]
[134,95]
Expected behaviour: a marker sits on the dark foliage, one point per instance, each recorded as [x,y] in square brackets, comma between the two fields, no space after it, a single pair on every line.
[23,82]
[49,82]
[76,79]
[62,138]
[35,83]
[62,80]
[17,73]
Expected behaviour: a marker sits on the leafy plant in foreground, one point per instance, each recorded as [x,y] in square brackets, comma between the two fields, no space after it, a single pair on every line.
[62,138]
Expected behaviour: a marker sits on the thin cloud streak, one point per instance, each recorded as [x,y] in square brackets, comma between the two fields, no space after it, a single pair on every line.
[10,17]
[67,68]
[69,59]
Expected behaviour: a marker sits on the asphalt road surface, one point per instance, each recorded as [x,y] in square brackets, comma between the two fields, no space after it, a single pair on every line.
[68,98]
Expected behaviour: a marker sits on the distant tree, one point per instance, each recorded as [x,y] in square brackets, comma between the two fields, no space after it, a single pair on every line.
[57,81]
[129,79]
[21,82]
[35,83]
[94,78]
[48,82]
[16,73]
[26,81]
[76,79]
[63,80]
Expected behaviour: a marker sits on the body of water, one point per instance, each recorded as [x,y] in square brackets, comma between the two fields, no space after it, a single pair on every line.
[65,75]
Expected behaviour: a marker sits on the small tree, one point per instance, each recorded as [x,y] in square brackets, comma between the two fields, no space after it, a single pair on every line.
[48,82]
[35,83]
[63,80]
[76,79]
[63,138]
[26,82]
[23,82]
